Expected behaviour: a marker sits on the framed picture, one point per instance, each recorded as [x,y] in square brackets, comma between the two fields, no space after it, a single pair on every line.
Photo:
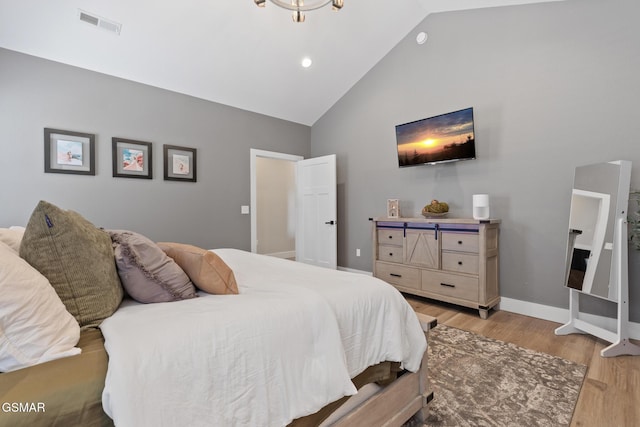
[131,159]
[69,152]
[179,163]
[393,208]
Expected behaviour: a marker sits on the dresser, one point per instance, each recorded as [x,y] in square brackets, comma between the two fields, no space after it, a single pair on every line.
[451,260]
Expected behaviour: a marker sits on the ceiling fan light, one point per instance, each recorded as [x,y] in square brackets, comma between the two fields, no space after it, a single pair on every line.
[298,16]
[299,7]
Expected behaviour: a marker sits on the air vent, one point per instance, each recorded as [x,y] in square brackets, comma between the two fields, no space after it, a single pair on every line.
[100,22]
[89,19]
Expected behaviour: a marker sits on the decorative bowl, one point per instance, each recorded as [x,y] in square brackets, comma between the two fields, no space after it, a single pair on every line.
[434,214]
[435,209]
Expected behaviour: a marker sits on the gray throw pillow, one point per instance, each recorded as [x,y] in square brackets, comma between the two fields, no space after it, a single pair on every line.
[146,272]
[77,258]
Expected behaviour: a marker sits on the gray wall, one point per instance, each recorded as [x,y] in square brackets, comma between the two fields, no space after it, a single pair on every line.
[36,93]
[553,86]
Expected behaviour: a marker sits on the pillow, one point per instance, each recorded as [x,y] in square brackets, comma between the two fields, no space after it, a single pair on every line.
[146,272]
[12,236]
[206,269]
[77,259]
[35,326]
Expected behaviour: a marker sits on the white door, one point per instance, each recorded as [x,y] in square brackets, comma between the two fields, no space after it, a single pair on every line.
[317,229]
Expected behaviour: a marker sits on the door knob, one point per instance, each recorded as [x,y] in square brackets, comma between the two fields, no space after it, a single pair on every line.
[332,222]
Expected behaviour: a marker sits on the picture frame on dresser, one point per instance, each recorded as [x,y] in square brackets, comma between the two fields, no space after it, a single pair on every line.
[69,152]
[393,208]
[180,163]
[131,159]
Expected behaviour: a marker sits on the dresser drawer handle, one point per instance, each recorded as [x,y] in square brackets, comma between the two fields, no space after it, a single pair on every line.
[459,242]
[447,285]
[395,275]
[459,262]
[390,253]
[391,237]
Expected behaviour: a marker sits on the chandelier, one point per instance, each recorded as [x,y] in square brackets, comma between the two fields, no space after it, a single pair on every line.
[299,6]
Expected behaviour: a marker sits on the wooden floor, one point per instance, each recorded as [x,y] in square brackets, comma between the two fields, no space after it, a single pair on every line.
[610,395]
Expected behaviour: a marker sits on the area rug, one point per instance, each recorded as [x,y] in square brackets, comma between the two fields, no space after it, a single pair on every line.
[479,381]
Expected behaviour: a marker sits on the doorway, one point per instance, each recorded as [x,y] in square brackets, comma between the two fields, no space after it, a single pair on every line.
[273,210]
[304,209]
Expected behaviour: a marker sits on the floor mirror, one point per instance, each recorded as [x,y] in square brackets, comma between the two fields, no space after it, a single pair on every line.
[597,262]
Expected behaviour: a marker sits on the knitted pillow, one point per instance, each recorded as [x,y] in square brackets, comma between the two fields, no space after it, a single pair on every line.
[77,259]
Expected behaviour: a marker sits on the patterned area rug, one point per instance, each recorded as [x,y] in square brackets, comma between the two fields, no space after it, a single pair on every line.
[479,381]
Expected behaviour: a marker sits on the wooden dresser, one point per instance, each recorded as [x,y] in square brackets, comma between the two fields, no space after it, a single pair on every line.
[452,260]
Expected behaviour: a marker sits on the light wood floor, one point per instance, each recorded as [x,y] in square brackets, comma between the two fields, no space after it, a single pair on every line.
[610,394]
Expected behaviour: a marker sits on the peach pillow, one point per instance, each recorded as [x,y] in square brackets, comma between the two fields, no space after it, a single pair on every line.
[205,269]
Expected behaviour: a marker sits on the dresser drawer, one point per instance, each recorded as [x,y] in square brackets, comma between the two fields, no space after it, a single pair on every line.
[463,287]
[398,275]
[390,253]
[460,262]
[464,242]
[390,237]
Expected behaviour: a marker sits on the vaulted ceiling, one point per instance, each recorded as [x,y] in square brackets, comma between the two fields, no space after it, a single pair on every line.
[226,51]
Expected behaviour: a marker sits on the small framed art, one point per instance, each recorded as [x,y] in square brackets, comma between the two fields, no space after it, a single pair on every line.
[132,159]
[393,208]
[179,163]
[69,152]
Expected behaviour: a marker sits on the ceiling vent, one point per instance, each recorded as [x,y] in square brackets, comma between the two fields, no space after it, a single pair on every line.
[100,22]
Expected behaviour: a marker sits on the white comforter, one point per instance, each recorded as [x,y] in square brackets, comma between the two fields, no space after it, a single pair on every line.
[282,349]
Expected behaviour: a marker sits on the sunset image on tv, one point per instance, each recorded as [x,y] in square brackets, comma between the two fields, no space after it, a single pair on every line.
[443,138]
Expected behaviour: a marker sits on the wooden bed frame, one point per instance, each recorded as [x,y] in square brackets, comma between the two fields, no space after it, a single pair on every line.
[403,395]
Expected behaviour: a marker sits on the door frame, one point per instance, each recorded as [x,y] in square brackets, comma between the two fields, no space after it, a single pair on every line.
[253,207]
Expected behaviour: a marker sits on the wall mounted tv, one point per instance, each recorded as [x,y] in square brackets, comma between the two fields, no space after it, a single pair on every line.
[445,138]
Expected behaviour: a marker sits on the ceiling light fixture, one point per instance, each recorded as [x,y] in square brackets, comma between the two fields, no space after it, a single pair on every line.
[306,62]
[300,6]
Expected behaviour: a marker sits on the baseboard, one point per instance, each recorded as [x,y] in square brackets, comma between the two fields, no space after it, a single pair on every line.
[287,254]
[353,270]
[547,312]
[561,315]
[532,309]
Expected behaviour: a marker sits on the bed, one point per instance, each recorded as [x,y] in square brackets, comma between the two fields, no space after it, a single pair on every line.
[286,346]
[298,345]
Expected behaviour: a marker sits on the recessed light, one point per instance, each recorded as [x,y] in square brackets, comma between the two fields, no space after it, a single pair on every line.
[421,38]
[306,62]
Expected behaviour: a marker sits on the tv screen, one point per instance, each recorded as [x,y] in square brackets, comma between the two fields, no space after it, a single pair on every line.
[445,138]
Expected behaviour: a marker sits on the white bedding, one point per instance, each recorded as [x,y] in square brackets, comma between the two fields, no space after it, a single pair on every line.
[282,349]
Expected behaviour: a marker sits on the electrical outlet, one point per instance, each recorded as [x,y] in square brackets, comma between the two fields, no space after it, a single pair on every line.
[357,252]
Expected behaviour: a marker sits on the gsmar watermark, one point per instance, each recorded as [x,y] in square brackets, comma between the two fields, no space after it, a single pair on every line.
[23,407]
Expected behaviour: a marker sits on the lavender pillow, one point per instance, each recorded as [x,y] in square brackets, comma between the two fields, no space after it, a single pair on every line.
[146,272]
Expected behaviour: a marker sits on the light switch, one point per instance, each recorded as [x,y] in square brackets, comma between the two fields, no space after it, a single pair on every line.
[244,210]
